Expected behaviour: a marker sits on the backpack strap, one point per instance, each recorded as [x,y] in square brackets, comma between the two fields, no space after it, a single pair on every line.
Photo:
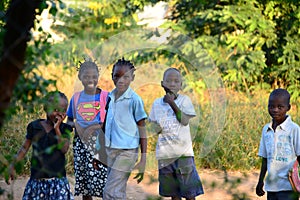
[103,99]
[106,108]
[75,101]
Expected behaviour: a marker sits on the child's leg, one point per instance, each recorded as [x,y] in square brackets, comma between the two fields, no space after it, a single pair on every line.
[87,197]
[190,183]
[121,163]
[176,198]
[168,183]
[116,184]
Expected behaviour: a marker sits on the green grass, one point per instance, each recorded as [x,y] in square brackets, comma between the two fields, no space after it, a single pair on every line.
[236,147]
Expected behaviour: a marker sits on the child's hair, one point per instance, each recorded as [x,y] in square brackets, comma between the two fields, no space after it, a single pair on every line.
[281,92]
[169,69]
[87,64]
[123,62]
[52,98]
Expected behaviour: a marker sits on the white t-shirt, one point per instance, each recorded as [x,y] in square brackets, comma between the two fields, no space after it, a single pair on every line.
[281,149]
[175,139]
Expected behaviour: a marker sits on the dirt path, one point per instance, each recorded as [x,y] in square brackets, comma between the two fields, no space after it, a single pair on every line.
[215,186]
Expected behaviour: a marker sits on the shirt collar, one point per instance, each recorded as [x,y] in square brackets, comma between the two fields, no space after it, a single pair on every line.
[284,125]
[126,95]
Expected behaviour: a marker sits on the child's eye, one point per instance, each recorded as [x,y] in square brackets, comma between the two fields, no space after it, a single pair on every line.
[115,77]
[59,110]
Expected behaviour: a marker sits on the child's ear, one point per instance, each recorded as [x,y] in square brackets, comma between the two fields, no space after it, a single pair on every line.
[289,107]
[132,77]
[79,77]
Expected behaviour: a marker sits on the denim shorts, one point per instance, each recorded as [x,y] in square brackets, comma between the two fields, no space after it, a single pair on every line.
[179,178]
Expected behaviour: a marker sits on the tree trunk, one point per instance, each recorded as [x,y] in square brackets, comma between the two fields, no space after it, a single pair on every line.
[19,20]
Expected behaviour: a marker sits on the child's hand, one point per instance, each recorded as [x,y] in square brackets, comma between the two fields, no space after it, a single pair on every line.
[141,169]
[169,98]
[259,189]
[169,92]
[139,177]
[12,174]
[59,119]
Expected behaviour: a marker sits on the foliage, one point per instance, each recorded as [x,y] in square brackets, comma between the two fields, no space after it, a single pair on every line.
[30,85]
[89,23]
[253,42]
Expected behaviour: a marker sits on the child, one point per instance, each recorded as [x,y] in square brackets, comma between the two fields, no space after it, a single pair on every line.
[279,149]
[88,108]
[177,172]
[124,132]
[50,142]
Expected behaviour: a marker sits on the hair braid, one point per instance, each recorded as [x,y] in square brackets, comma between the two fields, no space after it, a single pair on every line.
[123,62]
[87,64]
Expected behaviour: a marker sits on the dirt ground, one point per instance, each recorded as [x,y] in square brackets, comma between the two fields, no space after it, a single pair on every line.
[237,185]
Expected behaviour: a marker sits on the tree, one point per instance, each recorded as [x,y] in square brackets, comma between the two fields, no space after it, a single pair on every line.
[20,16]
[253,42]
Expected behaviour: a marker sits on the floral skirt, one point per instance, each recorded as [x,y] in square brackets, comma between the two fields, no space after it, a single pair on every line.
[48,189]
[88,181]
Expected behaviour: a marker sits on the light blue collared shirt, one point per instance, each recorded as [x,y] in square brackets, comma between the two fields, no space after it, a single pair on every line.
[281,148]
[121,130]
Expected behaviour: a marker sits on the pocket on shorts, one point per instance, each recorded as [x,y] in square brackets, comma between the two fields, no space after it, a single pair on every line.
[185,170]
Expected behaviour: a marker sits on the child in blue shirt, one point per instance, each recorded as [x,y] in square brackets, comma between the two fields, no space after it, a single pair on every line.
[279,148]
[124,132]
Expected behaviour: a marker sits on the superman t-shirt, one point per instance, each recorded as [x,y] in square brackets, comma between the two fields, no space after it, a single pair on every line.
[86,110]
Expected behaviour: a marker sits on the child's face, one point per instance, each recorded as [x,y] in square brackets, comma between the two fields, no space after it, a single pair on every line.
[173,81]
[122,77]
[58,110]
[89,79]
[278,106]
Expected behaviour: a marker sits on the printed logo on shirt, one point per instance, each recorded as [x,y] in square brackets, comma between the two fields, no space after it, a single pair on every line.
[88,110]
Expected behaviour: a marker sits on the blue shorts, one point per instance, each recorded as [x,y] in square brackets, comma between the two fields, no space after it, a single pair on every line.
[282,195]
[179,178]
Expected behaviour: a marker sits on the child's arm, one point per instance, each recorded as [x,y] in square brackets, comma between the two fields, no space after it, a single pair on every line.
[71,122]
[143,142]
[180,116]
[154,126]
[18,157]
[263,170]
[61,140]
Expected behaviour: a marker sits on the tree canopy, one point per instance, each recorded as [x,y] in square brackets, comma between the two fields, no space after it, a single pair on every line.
[253,43]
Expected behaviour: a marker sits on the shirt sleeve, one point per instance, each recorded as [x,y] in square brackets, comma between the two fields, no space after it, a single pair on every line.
[152,117]
[296,134]
[138,109]
[262,152]
[70,108]
[188,107]
[29,133]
